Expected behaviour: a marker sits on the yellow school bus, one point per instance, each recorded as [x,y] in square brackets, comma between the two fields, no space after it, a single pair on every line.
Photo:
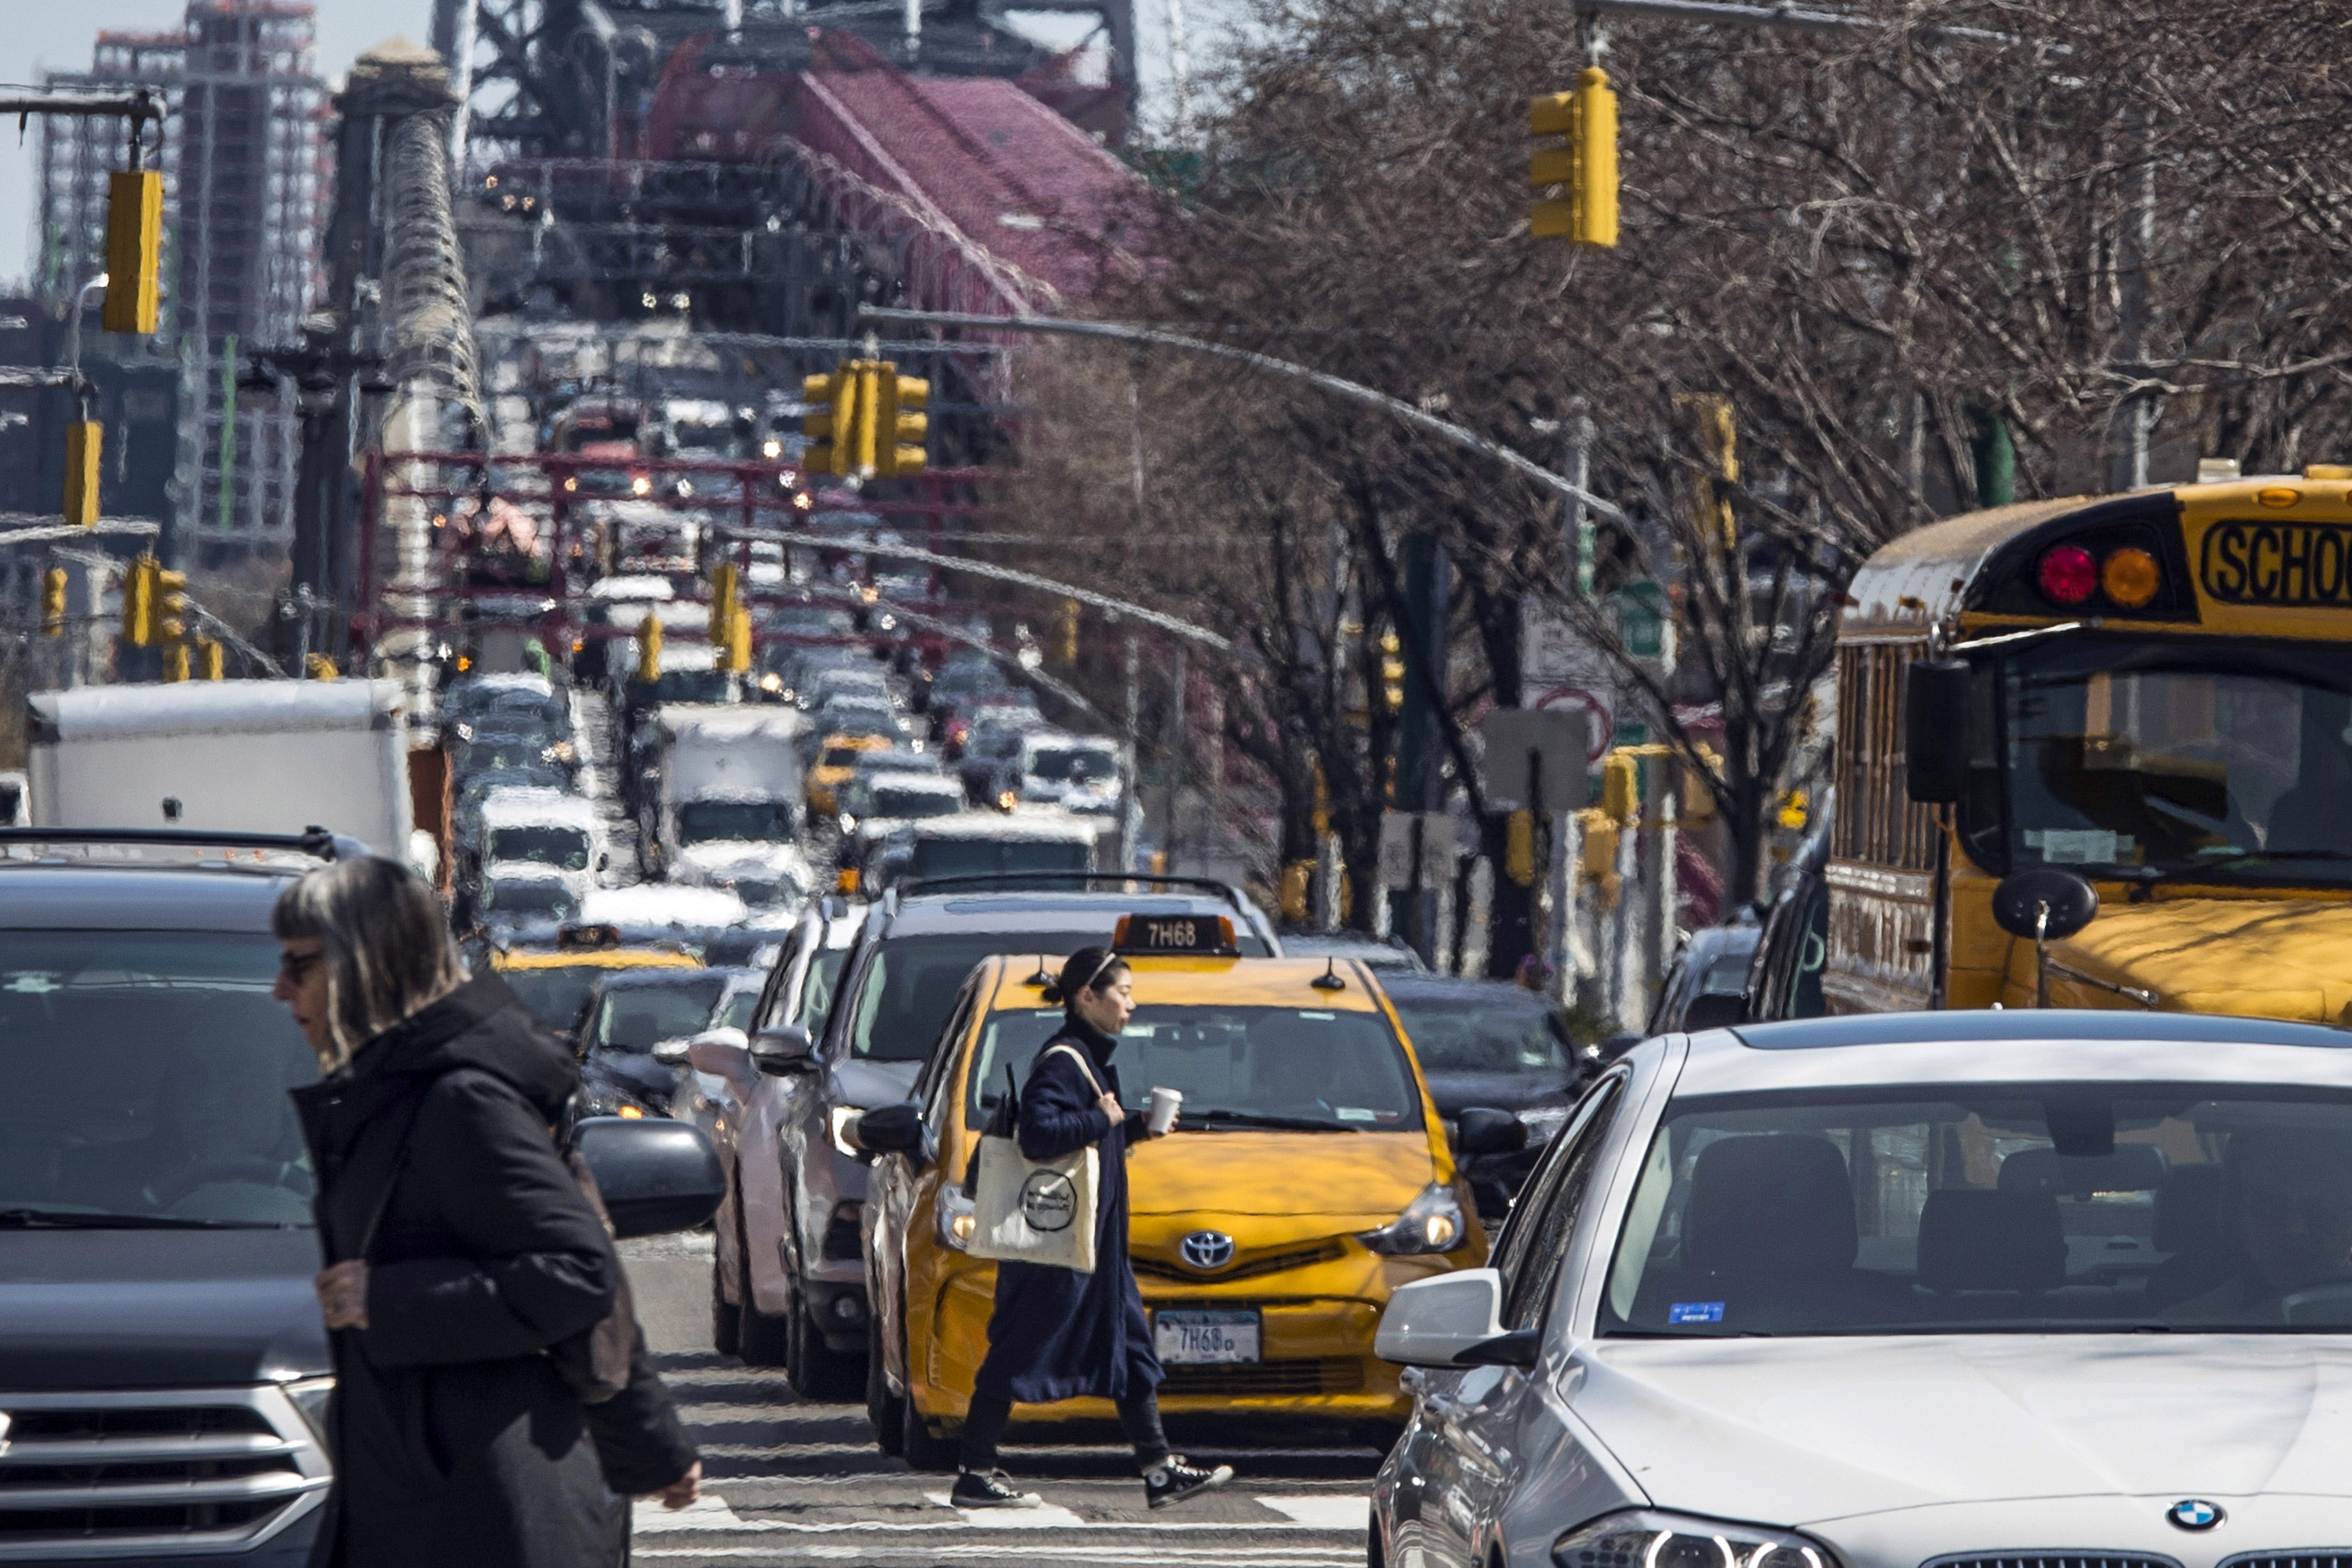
[2151,692]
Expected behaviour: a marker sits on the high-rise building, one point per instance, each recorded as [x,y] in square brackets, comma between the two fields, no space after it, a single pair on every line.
[244,157]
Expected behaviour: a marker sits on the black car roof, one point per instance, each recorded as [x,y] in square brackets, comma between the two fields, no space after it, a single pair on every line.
[84,896]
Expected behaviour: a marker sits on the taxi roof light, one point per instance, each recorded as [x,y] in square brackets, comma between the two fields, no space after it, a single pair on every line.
[573,938]
[1209,936]
[2067,575]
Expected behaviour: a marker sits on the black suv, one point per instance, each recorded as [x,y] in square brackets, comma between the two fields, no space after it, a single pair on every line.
[163,1373]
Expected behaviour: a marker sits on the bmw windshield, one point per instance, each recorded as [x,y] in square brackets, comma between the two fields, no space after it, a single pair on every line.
[143,1079]
[2047,1208]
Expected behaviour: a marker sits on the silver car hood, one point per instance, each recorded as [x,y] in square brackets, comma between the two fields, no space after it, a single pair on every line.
[1797,1432]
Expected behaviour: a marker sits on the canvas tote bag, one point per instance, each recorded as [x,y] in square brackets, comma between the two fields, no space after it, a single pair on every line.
[1036,1211]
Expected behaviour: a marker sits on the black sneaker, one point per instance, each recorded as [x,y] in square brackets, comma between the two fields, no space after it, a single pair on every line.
[1173,1480]
[973,1490]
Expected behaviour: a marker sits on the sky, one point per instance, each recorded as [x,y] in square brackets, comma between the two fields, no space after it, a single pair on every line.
[39,34]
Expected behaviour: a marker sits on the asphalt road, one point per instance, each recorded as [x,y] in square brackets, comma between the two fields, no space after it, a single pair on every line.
[789,1481]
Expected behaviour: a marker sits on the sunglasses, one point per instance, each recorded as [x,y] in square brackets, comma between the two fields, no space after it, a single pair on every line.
[297,966]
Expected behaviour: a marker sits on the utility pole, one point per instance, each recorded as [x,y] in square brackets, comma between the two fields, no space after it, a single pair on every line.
[1419,780]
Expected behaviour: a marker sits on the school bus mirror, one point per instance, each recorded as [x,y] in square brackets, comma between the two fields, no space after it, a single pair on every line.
[1935,730]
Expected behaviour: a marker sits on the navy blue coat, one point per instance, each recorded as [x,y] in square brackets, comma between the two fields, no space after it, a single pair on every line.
[1057,1333]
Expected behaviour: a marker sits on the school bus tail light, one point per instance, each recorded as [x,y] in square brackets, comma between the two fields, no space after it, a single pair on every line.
[2067,574]
[2131,577]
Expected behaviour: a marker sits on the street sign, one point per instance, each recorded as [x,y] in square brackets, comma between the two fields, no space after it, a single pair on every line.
[1400,831]
[1532,750]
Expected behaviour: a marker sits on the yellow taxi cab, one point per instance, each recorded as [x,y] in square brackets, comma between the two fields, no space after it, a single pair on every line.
[836,764]
[1308,1176]
[554,982]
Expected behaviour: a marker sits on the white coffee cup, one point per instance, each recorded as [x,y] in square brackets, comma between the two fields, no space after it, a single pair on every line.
[1165,1103]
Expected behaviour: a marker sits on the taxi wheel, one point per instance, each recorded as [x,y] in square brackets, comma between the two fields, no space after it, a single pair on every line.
[919,1448]
[882,1406]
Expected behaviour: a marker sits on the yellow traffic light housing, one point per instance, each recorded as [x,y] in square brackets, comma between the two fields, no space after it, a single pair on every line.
[900,423]
[212,661]
[171,600]
[139,602]
[1391,672]
[320,667]
[1586,166]
[649,641]
[831,425]
[134,249]
[726,588]
[53,602]
[85,443]
[735,642]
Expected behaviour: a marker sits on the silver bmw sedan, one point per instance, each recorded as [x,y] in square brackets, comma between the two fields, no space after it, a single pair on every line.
[1963,1289]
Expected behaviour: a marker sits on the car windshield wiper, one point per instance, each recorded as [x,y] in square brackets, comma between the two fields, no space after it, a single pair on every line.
[1259,1118]
[82,1219]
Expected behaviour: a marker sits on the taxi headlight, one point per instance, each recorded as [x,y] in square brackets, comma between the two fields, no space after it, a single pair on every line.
[1645,1538]
[1430,1223]
[309,1396]
[956,1220]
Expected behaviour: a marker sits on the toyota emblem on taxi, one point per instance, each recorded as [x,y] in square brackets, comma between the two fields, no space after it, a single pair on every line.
[2194,1513]
[1207,1249]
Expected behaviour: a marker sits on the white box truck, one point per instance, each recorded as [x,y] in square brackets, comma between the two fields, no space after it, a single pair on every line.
[729,774]
[243,756]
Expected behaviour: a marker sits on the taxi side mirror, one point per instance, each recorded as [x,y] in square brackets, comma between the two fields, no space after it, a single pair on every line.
[892,1129]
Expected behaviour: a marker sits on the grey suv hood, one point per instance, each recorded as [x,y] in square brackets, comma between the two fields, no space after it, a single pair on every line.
[121,1309]
[1798,1431]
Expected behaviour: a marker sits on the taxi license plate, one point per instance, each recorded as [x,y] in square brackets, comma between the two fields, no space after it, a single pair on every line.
[1199,1338]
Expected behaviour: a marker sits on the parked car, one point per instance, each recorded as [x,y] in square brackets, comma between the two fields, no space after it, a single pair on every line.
[1881,1290]
[804,1071]
[1488,1043]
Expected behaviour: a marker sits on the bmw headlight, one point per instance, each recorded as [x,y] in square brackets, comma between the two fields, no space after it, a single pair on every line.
[955,1217]
[310,1396]
[1430,1223]
[1644,1539]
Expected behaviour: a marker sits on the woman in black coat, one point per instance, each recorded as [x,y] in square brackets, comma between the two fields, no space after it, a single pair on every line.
[460,1251]
[1055,1333]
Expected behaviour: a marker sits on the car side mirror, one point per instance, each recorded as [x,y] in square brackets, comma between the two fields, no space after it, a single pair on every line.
[891,1129]
[786,1048]
[1483,1129]
[722,1053]
[1935,730]
[654,1174]
[1714,1010]
[1430,1322]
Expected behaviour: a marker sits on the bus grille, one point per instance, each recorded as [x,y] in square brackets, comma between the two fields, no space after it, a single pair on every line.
[134,1473]
[1333,1374]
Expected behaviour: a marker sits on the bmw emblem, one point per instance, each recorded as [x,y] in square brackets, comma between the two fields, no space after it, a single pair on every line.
[1207,1249]
[2194,1513]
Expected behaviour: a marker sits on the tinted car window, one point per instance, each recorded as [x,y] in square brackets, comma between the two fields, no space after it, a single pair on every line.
[564,846]
[556,993]
[637,1017]
[1507,1031]
[1343,1070]
[144,1073]
[906,992]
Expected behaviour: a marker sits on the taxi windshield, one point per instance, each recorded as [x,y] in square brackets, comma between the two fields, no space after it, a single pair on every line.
[2046,1208]
[2142,760]
[145,1078]
[1289,1067]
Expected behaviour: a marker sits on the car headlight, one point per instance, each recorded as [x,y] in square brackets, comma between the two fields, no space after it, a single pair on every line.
[1644,1539]
[955,1217]
[1430,1223]
[840,1124]
[605,1101]
[310,1396]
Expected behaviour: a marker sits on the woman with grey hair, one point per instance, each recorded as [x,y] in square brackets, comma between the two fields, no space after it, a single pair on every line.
[460,1252]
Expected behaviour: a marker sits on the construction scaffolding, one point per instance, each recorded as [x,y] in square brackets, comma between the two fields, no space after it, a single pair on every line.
[245,169]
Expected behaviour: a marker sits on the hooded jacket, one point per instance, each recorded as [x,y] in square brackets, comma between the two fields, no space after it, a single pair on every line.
[1055,1333]
[456,1440]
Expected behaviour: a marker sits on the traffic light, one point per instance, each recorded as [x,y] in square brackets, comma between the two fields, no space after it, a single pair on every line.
[212,661]
[139,602]
[134,249]
[53,602]
[726,583]
[176,662]
[85,440]
[171,617]
[649,639]
[899,421]
[735,644]
[1391,672]
[1586,166]
[831,426]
